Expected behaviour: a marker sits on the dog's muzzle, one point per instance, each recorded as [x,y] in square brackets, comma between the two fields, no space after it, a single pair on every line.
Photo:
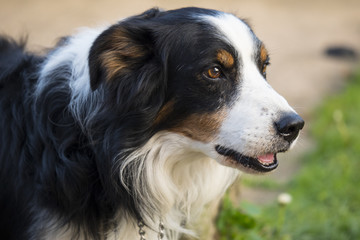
[287,127]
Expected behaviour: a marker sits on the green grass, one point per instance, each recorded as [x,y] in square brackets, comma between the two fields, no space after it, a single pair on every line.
[326,191]
[263,182]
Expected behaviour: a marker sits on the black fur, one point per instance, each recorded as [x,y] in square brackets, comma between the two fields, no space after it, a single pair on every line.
[49,160]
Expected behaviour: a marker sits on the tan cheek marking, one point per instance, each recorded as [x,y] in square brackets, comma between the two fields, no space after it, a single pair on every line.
[201,127]
[225,58]
[164,112]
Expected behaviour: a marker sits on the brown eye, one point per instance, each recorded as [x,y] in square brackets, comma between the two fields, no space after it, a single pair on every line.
[213,73]
[264,70]
[266,63]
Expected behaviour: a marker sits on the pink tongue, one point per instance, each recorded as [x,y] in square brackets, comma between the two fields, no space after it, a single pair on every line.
[268,158]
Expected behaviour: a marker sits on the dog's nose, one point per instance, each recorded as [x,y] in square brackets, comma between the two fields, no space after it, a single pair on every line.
[289,126]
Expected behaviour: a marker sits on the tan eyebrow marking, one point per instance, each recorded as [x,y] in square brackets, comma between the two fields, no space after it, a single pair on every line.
[263,53]
[225,58]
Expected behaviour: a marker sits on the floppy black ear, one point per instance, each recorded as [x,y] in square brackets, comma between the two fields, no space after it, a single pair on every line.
[121,49]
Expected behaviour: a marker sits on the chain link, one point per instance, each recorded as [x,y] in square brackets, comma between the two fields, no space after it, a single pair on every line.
[141,230]
[161,233]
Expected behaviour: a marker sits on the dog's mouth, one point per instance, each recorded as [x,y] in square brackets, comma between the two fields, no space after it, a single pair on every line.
[263,163]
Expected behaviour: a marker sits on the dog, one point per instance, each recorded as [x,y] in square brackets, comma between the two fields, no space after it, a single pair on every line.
[127,131]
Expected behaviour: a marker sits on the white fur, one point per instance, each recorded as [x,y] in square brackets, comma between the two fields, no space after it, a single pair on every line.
[74,54]
[177,180]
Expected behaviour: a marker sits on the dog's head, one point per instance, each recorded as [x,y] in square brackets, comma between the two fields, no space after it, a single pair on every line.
[200,74]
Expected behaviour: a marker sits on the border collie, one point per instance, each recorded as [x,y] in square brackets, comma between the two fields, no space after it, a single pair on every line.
[126,132]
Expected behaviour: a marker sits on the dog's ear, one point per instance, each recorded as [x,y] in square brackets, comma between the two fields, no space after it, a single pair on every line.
[122,49]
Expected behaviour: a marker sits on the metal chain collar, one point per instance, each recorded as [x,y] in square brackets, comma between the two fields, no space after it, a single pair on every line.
[161,231]
[141,230]
[142,233]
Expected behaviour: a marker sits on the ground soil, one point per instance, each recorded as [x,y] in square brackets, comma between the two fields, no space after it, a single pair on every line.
[297,34]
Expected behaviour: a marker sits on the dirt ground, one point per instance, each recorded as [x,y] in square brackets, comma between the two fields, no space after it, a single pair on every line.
[297,33]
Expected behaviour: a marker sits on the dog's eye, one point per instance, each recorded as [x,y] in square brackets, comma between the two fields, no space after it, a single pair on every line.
[213,73]
[264,70]
[266,63]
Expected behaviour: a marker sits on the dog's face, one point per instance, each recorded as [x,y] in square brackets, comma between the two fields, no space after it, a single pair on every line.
[213,87]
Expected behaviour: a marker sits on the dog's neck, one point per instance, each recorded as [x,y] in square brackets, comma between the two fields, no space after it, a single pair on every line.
[174,183]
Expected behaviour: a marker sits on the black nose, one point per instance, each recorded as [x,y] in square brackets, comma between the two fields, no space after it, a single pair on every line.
[289,126]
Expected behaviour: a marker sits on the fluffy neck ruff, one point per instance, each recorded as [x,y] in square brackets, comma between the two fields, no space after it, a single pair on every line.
[172,181]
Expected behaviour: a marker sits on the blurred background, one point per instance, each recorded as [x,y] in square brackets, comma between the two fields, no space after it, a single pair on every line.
[315,53]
